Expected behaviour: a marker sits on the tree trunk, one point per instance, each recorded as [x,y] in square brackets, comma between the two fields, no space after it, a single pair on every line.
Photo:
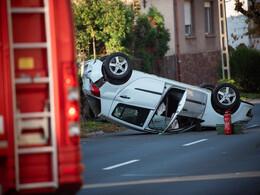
[94,43]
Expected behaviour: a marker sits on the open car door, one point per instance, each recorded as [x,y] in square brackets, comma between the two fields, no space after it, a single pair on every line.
[165,116]
[148,104]
[135,104]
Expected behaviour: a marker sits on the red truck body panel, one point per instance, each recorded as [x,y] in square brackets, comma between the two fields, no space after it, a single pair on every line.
[39,106]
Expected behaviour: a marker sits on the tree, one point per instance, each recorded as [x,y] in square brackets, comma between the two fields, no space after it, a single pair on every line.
[101,26]
[118,20]
[253,15]
[86,17]
[152,38]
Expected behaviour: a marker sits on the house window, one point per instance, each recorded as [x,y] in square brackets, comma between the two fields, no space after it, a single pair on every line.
[187,16]
[208,18]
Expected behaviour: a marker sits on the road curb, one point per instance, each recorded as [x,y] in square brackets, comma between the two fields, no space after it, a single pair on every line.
[254,101]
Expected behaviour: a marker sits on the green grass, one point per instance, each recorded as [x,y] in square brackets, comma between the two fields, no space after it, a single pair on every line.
[246,96]
[94,126]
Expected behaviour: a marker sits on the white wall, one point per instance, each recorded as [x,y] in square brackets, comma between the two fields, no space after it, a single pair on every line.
[236,24]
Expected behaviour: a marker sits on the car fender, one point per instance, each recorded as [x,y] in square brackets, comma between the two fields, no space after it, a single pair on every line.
[86,86]
[93,70]
[211,118]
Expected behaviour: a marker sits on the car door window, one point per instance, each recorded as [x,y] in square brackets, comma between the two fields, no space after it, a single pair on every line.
[131,114]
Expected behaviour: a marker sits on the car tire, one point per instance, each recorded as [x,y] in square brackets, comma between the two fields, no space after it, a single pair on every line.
[117,66]
[207,86]
[225,97]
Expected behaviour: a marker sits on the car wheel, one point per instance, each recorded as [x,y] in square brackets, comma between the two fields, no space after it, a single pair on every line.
[225,97]
[207,86]
[118,66]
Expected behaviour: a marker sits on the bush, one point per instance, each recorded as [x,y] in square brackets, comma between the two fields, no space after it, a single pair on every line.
[152,39]
[245,68]
[231,81]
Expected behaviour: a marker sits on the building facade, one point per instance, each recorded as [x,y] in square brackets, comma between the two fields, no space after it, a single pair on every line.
[194,52]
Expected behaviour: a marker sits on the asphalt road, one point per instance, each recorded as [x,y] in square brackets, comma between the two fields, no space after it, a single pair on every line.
[131,162]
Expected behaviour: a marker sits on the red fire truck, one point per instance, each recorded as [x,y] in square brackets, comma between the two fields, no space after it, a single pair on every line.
[39,99]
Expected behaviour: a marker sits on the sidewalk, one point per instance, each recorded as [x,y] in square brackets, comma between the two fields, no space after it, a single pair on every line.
[254,101]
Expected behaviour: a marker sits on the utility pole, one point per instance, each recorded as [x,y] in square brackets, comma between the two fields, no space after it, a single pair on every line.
[223,39]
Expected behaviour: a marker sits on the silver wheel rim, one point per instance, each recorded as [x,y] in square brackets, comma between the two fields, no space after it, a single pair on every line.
[226,96]
[118,65]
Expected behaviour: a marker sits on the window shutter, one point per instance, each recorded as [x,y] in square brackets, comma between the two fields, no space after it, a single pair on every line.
[187,12]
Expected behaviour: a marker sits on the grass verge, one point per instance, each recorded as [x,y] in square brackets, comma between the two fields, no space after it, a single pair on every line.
[247,96]
[89,128]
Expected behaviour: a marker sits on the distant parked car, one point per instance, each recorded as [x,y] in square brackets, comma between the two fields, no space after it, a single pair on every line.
[150,103]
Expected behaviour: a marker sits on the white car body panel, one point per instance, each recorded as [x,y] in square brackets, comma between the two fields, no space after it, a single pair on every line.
[194,98]
[93,70]
[86,86]
[137,93]
[211,118]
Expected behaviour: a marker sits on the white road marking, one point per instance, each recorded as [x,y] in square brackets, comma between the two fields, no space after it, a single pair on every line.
[252,174]
[148,175]
[255,125]
[121,164]
[188,144]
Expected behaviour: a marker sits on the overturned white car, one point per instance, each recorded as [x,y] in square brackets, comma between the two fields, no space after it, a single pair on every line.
[146,102]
